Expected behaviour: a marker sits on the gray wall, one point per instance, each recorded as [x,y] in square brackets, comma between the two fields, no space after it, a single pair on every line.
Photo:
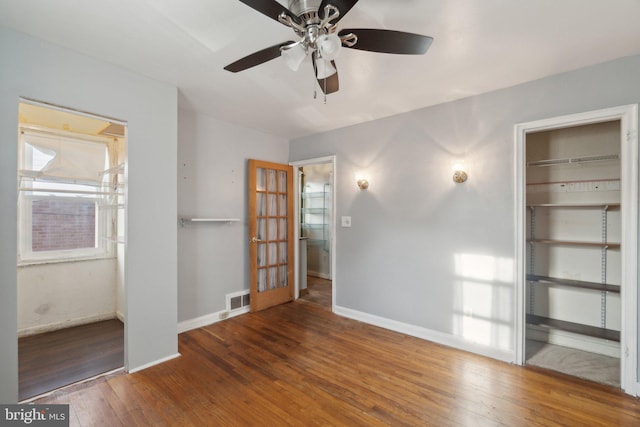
[213,258]
[423,250]
[42,71]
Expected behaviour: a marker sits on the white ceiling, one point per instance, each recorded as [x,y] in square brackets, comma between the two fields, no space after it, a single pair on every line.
[479,46]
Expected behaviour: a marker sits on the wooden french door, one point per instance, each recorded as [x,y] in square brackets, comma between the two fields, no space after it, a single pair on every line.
[271,236]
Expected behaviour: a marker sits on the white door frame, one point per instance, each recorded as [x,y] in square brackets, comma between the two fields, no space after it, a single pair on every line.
[628,116]
[296,207]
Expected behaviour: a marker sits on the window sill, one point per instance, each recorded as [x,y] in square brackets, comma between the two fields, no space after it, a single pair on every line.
[29,263]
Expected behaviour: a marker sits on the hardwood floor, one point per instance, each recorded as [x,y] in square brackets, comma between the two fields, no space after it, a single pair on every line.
[318,292]
[299,364]
[59,358]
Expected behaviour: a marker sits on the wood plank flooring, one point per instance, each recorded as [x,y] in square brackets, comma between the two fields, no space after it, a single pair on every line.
[300,364]
[318,291]
[59,358]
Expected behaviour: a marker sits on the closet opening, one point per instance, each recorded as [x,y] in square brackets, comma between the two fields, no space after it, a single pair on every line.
[316,231]
[573,270]
[577,223]
[71,243]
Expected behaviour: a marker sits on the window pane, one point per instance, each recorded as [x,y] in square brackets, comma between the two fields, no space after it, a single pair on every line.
[62,224]
[262,254]
[272,233]
[262,280]
[271,180]
[282,211]
[283,276]
[261,204]
[282,181]
[273,278]
[283,252]
[273,253]
[282,229]
[260,179]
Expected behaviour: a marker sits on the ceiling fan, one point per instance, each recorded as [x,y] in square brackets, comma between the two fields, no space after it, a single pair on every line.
[315,22]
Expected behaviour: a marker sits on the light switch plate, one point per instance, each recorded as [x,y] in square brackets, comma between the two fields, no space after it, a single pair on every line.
[346,221]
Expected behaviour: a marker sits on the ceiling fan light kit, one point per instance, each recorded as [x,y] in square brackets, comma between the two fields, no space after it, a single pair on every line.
[293,55]
[315,23]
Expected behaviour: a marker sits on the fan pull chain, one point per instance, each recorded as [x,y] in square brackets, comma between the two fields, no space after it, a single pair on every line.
[325,82]
[315,90]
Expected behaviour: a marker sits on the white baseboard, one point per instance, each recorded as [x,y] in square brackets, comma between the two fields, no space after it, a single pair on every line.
[154,363]
[428,334]
[40,329]
[580,342]
[210,319]
[120,316]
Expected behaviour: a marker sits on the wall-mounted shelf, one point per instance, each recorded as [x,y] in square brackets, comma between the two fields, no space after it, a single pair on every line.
[574,243]
[578,328]
[602,287]
[183,221]
[574,160]
[575,205]
[313,194]
[574,283]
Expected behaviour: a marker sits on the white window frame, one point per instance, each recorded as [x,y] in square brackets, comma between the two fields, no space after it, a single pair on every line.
[105,219]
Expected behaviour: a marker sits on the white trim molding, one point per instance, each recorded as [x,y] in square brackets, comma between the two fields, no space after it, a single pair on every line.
[154,363]
[427,334]
[628,117]
[210,319]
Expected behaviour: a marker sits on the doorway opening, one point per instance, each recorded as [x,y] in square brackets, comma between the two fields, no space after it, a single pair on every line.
[577,234]
[315,230]
[71,243]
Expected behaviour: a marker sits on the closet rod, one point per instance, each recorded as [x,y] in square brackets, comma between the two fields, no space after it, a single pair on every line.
[584,159]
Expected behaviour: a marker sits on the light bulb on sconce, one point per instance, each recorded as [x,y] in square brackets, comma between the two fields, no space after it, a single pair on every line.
[459,172]
[362,181]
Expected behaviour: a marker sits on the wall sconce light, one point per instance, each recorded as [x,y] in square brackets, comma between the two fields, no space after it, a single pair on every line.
[362,181]
[459,172]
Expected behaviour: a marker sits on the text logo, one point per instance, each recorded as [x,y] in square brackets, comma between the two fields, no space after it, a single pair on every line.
[34,415]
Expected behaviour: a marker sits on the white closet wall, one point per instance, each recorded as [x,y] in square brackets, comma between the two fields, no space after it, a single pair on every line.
[573,199]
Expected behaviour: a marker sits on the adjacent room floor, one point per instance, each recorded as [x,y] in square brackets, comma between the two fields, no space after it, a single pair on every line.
[318,292]
[55,359]
[581,364]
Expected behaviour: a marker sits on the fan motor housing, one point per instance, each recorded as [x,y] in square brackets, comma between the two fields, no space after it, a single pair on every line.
[307,10]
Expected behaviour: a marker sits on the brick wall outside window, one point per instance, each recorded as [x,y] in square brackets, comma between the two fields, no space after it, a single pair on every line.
[62,224]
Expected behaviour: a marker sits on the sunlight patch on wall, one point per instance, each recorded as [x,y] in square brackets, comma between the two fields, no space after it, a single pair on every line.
[483,300]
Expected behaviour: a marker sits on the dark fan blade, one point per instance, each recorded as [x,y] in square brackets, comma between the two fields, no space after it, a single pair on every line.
[389,41]
[270,8]
[329,85]
[256,58]
[343,6]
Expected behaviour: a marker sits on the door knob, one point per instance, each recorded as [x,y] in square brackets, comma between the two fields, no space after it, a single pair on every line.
[255,240]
